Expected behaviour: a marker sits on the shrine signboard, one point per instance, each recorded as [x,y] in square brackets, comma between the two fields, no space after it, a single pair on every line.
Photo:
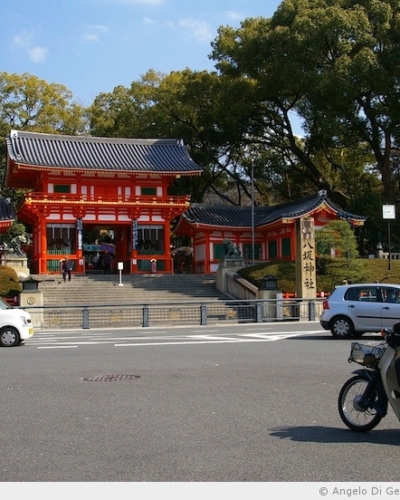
[306,275]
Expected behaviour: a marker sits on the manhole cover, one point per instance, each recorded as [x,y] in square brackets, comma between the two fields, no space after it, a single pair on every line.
[110,378]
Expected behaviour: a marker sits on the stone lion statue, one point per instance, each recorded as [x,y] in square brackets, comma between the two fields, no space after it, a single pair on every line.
[14,247]
[231,250]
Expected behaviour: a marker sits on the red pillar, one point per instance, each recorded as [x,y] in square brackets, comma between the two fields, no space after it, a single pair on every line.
[43,247]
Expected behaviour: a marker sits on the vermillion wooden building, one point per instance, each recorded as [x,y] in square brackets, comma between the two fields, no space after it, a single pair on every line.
[260,233]
[89,195]
[105,187]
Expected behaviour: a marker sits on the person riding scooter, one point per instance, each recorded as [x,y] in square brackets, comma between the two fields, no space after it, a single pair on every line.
[396,329]
[364,398]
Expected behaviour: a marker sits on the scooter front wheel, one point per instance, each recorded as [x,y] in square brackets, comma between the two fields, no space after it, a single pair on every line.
[351,411]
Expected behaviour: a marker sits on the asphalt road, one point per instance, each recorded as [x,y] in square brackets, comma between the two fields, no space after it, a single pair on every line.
[254,403]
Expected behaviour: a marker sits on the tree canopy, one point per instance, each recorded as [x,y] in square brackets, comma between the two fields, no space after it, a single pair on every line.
[335,65]
[29,103]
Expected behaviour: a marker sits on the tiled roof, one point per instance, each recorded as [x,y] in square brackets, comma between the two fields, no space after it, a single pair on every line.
[224,215]
[98,153]
[228,216]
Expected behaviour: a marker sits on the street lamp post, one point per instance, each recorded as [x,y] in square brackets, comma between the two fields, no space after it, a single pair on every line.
[252,214]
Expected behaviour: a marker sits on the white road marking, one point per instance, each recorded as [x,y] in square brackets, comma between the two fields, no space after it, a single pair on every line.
[58,347]
[207,340]
[72,341]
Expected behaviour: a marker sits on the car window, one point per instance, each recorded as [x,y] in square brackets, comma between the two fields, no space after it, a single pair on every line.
[4,305]
[391,294]
[362,294]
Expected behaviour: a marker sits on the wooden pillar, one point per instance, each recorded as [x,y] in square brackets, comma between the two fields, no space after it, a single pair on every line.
[167,249]
[207,262]
[43,247]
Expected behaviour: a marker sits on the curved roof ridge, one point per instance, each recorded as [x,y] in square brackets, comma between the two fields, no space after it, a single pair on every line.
[240,216]
[90,138]
[52,151]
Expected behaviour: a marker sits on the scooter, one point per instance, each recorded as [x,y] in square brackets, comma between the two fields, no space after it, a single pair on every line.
[363,399]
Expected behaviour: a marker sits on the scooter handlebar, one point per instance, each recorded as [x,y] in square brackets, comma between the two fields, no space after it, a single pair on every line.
[391,337]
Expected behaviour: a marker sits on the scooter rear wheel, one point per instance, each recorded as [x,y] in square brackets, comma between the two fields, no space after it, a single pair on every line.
[352,414]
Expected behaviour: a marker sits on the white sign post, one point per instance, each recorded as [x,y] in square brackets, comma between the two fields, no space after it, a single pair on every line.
[120,267]
[389,212]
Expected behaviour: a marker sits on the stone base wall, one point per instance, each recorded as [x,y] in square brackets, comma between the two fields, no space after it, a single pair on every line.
[19,264]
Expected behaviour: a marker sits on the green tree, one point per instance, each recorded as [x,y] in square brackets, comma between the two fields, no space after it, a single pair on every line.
[336,66]
[29,103]
[337,237]
[188,105]
[127,112]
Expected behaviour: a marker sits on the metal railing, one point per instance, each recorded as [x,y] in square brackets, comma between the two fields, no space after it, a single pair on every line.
[169,314]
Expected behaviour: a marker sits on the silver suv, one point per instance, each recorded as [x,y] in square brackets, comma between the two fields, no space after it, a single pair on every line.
[352,310]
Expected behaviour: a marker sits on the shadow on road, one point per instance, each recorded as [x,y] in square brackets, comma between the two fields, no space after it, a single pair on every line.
[317,434]
[373,337]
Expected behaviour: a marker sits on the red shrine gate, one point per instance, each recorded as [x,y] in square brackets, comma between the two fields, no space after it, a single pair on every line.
[88,196]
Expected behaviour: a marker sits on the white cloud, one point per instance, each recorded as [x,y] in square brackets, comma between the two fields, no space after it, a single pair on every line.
[23,39]
[38,54]
[198,29]
[94,33]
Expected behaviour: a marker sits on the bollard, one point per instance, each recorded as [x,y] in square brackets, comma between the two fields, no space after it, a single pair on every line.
[145,316]
[86,318]
[259,313]
[203,314]
[311,311]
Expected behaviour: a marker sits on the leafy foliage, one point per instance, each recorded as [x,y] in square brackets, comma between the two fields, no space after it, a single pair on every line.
[335,65]
[335,272]
[9,283]
[30,103]
[337,236]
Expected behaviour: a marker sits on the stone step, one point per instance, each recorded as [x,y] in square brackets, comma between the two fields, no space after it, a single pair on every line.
[110,289]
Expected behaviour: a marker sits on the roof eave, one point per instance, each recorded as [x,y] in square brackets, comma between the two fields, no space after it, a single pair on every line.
[60,168]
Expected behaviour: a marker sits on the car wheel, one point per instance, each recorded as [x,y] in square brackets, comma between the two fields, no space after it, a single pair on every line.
[9,336]
[342,327]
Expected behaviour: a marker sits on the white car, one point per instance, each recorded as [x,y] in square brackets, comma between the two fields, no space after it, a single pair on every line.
[352,310]
[15,325]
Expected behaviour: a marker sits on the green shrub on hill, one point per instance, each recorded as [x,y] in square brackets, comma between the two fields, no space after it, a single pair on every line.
[330,272]
[9,282]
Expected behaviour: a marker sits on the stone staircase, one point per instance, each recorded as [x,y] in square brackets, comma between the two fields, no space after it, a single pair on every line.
[98,289]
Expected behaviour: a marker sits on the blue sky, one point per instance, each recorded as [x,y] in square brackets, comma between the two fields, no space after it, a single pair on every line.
[91,46]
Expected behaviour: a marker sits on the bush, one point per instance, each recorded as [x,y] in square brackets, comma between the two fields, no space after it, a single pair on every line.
[9,282]
[330,272]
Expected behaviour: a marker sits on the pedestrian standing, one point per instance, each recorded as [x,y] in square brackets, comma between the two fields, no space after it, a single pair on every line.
[66,269]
